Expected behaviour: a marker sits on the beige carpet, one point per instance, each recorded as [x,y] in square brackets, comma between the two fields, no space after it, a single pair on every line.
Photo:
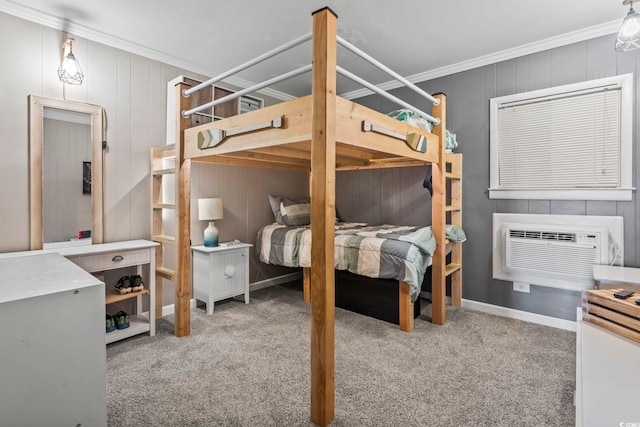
[248,365]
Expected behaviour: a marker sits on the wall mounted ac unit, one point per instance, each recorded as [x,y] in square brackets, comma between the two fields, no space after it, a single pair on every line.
[554,250]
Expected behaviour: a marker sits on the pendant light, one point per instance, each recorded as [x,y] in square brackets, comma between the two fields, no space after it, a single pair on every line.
[70,71]
[629,34]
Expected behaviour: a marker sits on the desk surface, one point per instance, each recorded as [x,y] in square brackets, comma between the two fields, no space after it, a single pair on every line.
[617,274]
[71,251]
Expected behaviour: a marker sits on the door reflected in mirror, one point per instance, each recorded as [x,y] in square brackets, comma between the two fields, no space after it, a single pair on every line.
[66,177]
[66,186]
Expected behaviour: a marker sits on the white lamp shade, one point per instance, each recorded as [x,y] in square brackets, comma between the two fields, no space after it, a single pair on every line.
[210,209]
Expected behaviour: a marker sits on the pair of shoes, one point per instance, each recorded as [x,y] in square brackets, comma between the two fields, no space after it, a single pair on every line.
[136,283]
[128,284]
[121,320]
[111,323]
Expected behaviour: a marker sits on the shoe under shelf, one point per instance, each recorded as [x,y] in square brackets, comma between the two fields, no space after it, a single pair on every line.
[138,324]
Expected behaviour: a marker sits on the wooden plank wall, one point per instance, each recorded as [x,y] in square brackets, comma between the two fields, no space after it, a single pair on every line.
[132,89]
[468,95]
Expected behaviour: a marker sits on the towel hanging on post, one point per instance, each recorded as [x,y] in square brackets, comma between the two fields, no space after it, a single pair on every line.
[427,183]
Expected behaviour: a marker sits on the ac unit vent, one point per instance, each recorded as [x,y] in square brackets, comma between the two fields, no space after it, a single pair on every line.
[557,251]
[543,235]
[559,254]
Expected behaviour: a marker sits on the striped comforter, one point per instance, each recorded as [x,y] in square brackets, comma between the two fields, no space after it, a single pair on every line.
[384,251]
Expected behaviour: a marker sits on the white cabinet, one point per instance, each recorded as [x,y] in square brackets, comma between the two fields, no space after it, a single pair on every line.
[607,377]
[53,357]
[220,272]
[607,368]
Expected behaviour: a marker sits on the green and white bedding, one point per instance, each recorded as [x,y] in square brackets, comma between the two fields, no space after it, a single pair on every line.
[415,119]
[386,251]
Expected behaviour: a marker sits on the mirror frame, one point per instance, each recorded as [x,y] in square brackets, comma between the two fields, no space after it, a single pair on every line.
[37,104]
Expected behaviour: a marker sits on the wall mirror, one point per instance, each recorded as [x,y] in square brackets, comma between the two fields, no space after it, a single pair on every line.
[65,173]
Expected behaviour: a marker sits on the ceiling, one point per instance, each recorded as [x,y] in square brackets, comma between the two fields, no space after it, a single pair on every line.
[417,38]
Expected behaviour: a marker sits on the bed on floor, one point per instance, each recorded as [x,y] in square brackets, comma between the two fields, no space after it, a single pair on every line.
[401,253]
[322,133]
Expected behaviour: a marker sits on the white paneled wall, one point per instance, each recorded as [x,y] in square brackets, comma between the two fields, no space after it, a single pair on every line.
[132,90]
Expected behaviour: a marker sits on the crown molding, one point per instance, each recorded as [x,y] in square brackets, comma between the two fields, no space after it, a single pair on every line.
[88,33]
[493,58]
[77,30]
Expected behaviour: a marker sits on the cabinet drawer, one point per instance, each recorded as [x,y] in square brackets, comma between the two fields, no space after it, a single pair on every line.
[113,260]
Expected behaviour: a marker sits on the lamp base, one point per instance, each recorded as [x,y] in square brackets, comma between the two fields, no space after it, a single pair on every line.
[211,235]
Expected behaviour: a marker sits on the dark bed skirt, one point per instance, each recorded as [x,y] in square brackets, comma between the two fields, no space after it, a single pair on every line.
[377,298]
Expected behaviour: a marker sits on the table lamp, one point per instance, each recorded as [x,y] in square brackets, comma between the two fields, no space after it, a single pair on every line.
[210,210]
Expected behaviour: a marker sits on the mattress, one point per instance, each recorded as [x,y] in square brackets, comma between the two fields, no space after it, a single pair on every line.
[384,251]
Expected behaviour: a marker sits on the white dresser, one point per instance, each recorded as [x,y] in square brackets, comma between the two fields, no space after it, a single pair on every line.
[220,272]
[53,357]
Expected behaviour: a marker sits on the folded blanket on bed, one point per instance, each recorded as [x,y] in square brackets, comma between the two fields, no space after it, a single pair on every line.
[417,120]
[385,251]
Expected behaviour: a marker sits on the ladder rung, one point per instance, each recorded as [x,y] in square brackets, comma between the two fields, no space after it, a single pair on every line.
[164,151]
[451,268]
[164,171]
[451,175]
[163,238]
[166,273]
[164,206]
[450,208]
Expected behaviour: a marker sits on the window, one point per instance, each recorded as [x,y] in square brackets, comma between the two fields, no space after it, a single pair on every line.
[570,142]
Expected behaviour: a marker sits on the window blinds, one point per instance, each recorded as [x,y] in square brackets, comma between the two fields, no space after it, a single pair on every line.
[569,141]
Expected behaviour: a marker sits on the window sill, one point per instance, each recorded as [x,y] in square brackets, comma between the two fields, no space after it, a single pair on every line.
[613,194]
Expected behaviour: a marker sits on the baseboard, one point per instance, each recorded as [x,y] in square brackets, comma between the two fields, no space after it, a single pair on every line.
[171,308]
[512,313]
[275,281]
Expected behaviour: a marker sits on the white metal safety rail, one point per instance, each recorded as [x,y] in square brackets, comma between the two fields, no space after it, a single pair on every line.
[296,42]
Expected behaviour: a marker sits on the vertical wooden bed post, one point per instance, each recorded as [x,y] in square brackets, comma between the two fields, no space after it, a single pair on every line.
[182,322]
[438,219]
[323,160]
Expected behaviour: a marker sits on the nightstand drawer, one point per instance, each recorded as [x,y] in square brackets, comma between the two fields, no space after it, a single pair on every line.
[114,260]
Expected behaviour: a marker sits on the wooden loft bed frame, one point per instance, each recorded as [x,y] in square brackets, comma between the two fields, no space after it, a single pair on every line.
[321,134]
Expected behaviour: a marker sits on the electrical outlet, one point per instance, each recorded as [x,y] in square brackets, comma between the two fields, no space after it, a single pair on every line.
[521,287]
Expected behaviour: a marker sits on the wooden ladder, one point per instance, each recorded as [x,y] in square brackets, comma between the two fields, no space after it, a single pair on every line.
[453,175]
[159,171]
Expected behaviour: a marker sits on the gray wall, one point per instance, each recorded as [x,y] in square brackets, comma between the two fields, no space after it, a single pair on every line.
[132,89]
[468,95]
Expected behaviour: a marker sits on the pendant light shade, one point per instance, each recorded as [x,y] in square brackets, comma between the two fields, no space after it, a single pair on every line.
[70,71]
[629,34]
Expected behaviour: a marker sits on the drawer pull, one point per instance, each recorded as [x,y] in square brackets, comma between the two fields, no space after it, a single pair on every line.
[117,258]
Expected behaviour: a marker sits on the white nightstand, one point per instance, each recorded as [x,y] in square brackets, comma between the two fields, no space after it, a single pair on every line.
[220,272]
